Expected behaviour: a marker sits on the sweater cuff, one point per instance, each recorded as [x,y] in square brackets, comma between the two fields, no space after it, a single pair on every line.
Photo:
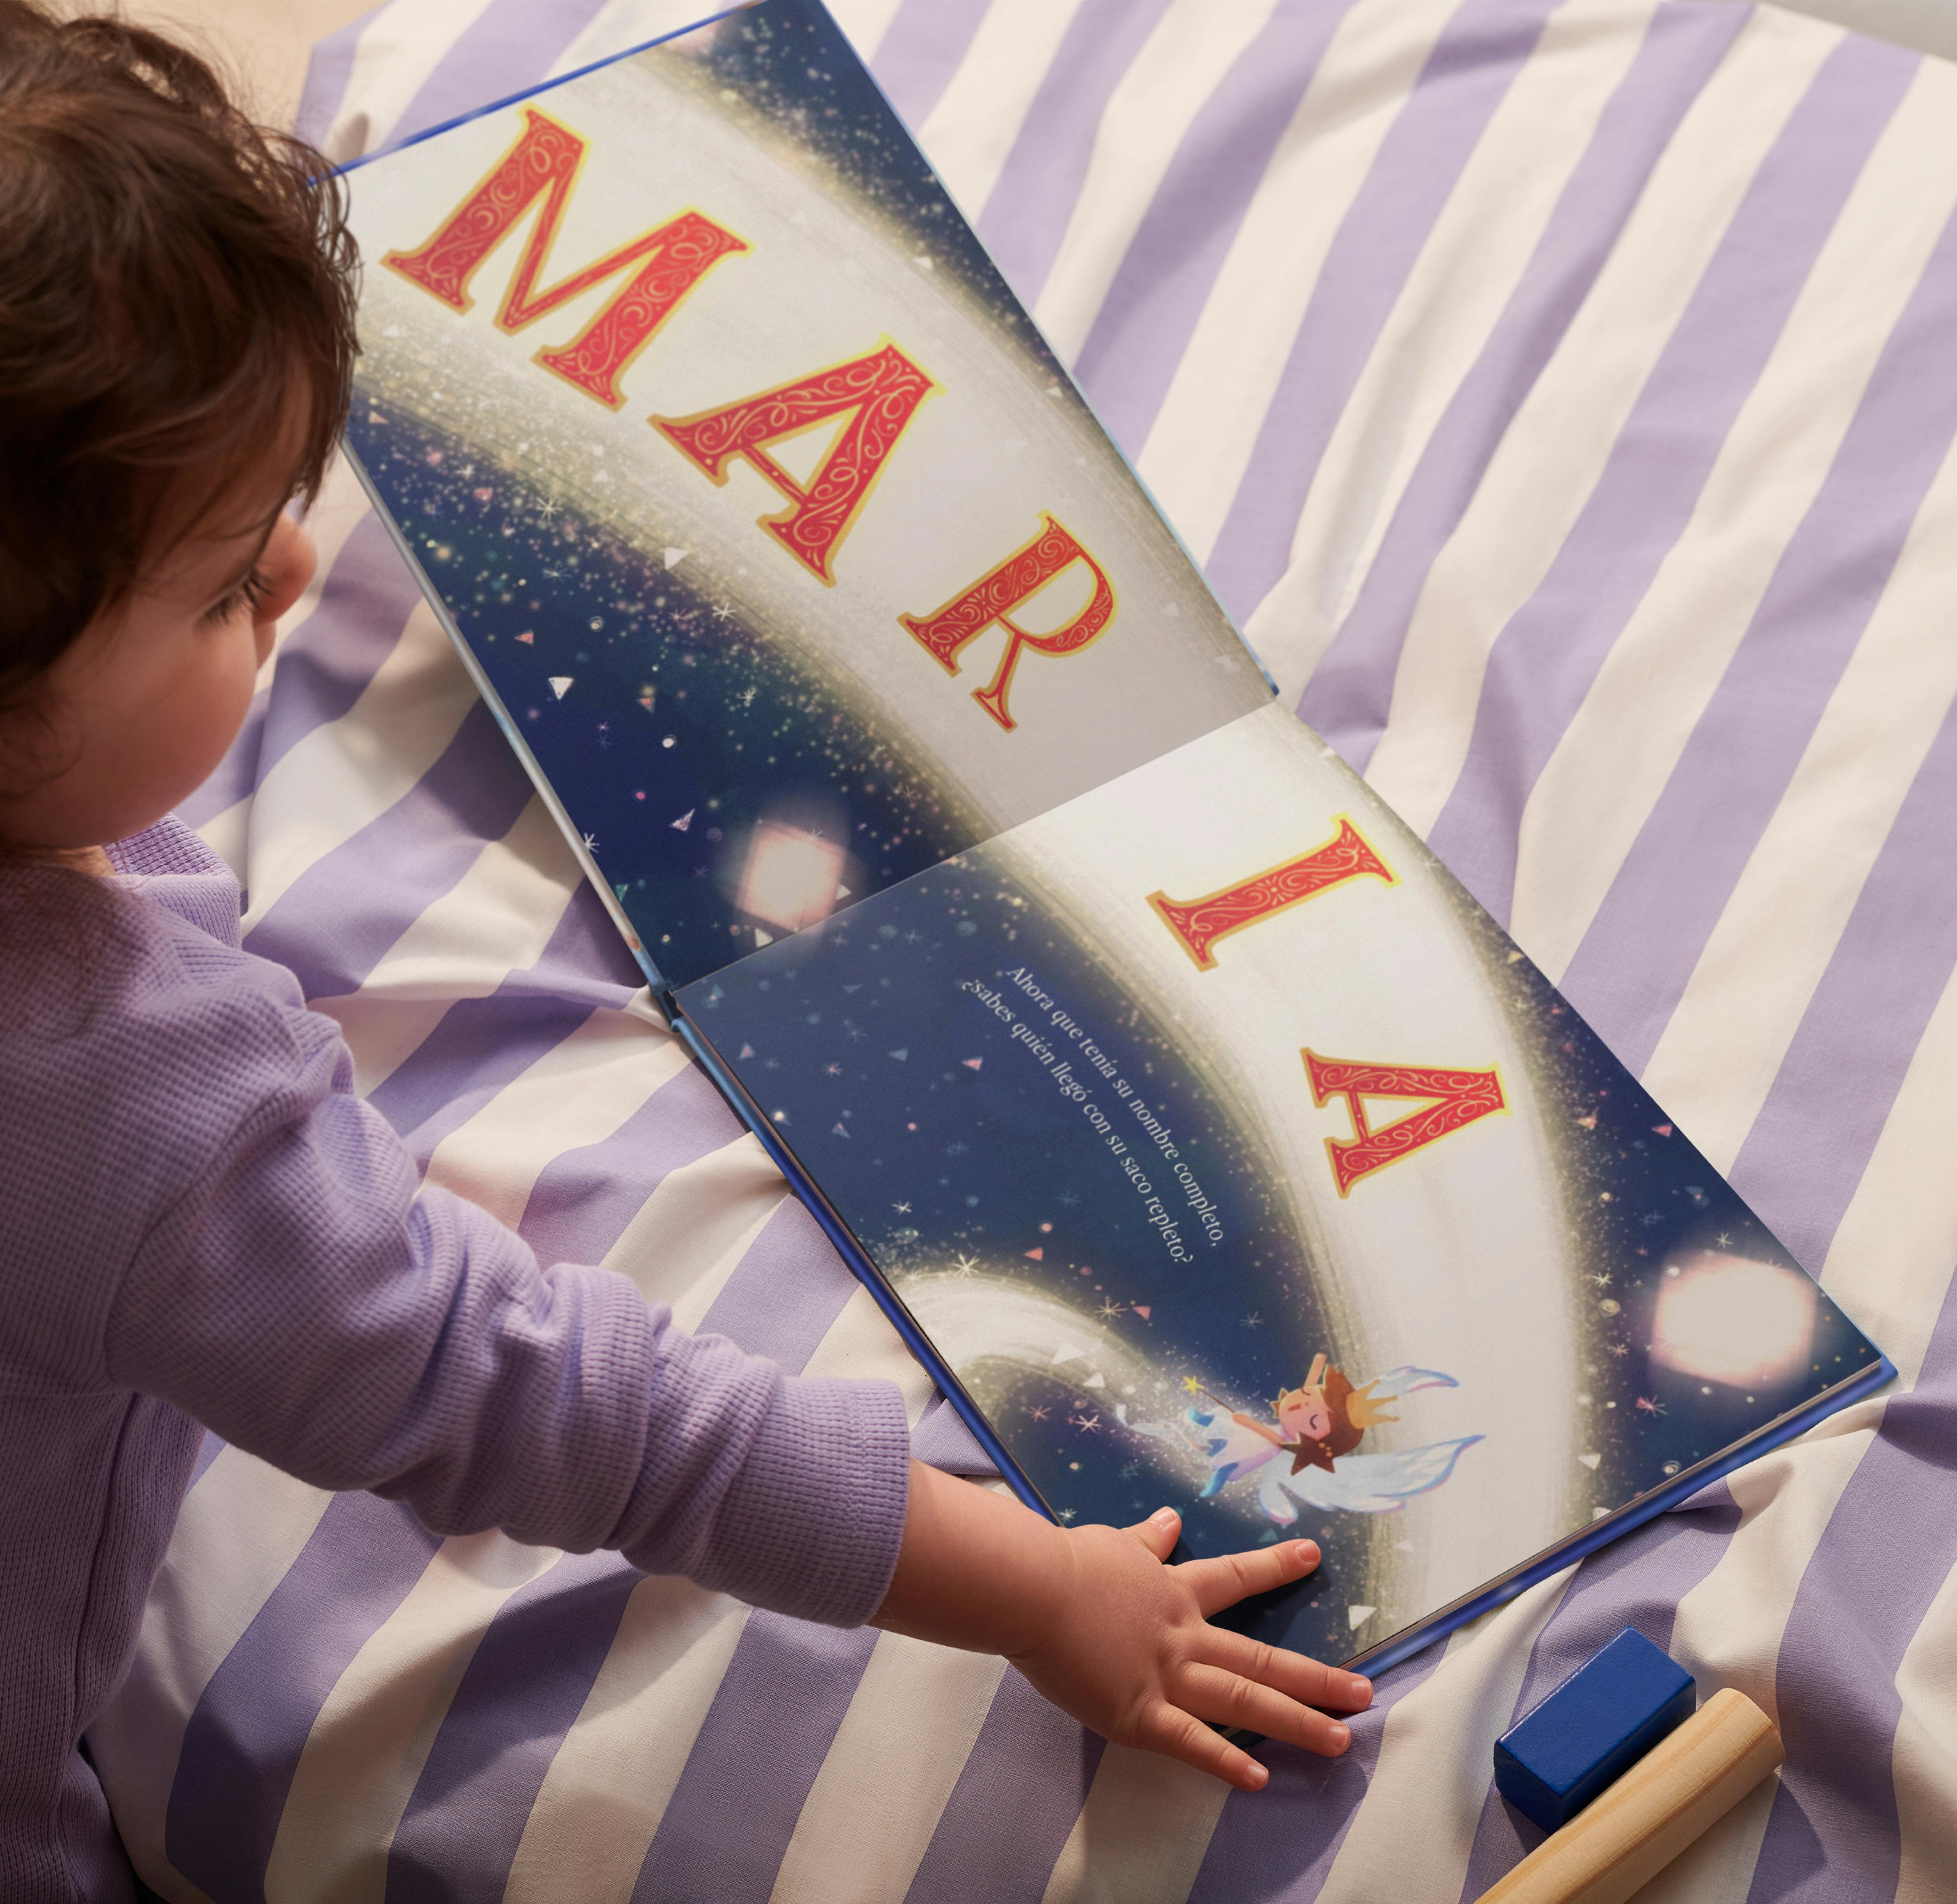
[812,1523]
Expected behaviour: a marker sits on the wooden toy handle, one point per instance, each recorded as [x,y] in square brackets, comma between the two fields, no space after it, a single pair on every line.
[1631,1831]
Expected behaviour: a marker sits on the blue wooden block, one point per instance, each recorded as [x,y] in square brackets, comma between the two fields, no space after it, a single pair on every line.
[1598,1724]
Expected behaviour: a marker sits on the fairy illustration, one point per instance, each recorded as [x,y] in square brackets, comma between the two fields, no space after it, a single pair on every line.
[1318,1425]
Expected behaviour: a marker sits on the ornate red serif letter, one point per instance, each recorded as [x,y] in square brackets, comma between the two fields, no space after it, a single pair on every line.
[878,393]
[1454,1098]
[1199,923]
[993,598]
[671,258]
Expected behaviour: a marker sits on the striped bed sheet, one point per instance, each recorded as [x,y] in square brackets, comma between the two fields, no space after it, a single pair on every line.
[1562,396]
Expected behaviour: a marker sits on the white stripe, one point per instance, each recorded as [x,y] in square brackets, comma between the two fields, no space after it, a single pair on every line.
[890,1770]
[373,1735]
[1184,60]
[610,1782]
[212,1585]
[972,128]
[860,1345]
[1925,1757]
[1723,1046]
[347,773]
[690,1234]
[1611,766]
[1141,1835]
[1552,453]
[1435,1760]
[1201,442]
[578,1092]
[866,22]
[1466,272]
[396,54]
[495,920]
[623,24]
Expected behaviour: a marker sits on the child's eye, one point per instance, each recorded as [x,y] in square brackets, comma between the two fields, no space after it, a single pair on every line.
[252,592]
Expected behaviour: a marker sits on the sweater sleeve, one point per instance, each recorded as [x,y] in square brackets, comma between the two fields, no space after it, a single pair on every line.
[306,1301]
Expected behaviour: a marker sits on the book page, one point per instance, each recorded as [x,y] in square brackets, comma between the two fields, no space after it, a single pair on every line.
[792,559]
[1233,1158]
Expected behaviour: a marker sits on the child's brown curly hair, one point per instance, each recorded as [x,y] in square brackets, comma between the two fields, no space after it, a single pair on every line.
[176,304]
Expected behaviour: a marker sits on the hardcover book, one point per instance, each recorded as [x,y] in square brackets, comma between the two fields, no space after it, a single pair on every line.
[1207,1141]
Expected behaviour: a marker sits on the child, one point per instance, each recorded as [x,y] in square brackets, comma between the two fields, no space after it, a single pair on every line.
[202,1226]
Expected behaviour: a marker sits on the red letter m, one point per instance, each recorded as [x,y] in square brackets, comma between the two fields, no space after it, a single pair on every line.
[671,258]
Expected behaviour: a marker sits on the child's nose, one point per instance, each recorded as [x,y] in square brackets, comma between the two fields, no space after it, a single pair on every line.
[287,565]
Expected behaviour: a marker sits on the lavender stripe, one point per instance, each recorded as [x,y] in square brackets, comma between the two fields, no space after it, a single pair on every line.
[1473,64]
[1815,1134]
[327,662]
[525,1684]
[1026,214]
[1350,691]
[243,1742]
[1277,1844]
[327,72]
[584,1198]
[1833,1837]
[1543,663]
[331,925]
[480,1044]
[969,1855]
[1158,294]
[921,47]
[732,1813]
[511,45]
[785,1293]
[1636,960]
[1636,1581]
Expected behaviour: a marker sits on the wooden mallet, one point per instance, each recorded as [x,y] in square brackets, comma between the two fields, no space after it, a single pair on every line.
[1621,1772]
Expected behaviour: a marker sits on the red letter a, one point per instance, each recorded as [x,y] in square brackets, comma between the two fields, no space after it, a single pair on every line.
[671,257]
[994,597]
[878,393]
[1456,1098]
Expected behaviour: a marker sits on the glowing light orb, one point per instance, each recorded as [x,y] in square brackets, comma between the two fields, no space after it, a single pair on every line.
[790,876]
[1729,1320]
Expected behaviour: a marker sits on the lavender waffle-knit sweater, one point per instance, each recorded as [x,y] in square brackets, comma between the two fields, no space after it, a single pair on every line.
[200,1223]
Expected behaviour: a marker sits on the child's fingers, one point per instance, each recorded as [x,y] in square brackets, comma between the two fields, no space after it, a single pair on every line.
[1159,1532]
[1230,1578]
[1180,1735]
[1210,1693]
[1290,1673]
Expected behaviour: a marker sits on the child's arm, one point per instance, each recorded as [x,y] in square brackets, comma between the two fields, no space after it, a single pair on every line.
[1096,1621]
[1256,1427]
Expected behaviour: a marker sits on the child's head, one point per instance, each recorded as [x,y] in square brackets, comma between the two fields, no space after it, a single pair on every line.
[1325,1418]
[175,342]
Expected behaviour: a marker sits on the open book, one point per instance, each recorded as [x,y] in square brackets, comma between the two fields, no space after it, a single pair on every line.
[1205,1139]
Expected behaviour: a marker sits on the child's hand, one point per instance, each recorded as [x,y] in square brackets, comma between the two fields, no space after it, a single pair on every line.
[1130,1652]
[1096,1621]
